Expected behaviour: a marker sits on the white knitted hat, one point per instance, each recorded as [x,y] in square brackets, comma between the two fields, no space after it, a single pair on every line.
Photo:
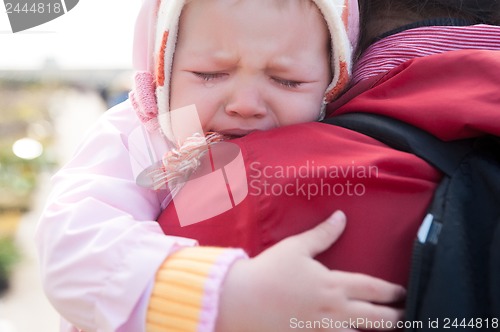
[154,46]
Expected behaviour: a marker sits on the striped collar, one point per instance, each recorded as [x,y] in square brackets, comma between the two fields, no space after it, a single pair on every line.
[398,48]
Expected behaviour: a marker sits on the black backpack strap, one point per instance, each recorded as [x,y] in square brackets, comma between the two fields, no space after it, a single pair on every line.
[399,135]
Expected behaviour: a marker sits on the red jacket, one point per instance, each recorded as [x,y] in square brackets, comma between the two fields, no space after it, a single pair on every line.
[452,95]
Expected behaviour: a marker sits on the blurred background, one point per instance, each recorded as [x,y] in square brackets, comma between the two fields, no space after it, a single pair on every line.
[55,81]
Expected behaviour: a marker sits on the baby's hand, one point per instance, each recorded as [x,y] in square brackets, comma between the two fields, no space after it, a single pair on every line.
[285,288]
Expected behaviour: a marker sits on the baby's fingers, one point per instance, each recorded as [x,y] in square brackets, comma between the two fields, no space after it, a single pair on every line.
[370,289]
[321,237]
[375,316]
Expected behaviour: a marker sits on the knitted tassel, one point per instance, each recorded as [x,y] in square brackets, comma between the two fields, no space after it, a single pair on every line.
[177,165]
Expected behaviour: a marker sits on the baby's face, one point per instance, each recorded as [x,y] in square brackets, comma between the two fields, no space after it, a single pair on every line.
[251,64]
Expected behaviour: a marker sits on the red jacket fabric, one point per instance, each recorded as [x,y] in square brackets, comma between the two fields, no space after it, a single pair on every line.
[452,95]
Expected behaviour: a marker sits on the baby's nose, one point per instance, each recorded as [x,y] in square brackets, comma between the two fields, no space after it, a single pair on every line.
[246,102]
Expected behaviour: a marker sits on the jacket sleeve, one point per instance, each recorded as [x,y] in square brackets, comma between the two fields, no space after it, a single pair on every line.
[99,244]
[186,293]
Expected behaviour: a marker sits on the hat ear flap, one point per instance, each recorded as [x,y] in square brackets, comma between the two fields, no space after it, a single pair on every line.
[342,19]
[154,46]
[143,94]
[167,27]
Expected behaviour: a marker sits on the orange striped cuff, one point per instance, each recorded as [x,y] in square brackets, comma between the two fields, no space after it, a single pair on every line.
[187,287]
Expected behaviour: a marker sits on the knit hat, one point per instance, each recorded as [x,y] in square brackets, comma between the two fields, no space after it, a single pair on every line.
[154,46]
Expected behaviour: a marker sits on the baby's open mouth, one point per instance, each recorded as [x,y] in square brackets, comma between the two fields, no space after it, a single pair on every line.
[231,134]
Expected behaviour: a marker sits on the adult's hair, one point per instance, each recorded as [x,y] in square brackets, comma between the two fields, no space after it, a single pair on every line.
[380,16]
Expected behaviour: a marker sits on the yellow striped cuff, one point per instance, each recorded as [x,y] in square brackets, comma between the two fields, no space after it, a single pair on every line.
[186,291]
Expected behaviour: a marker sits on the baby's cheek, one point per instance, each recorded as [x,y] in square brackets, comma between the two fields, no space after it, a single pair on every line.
[302,113]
